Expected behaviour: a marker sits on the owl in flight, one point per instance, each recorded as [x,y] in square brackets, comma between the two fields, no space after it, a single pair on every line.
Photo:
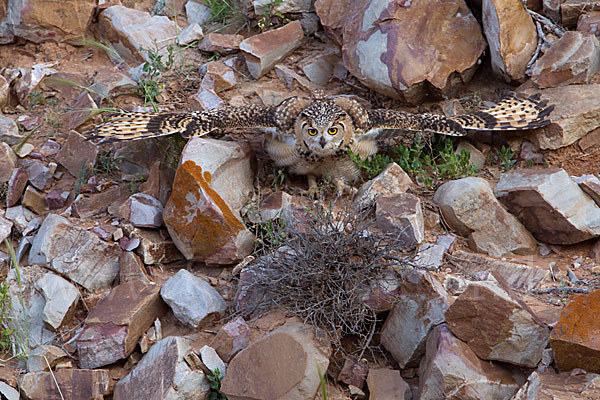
[313,136]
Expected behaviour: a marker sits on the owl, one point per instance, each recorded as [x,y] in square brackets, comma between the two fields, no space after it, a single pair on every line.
[314,136]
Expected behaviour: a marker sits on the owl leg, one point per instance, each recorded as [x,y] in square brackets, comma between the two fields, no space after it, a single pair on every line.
[313,189]
[342,187]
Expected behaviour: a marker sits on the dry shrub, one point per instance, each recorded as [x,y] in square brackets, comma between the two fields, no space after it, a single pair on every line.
[323,269]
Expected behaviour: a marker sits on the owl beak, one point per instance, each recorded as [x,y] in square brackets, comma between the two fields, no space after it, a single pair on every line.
[322,142]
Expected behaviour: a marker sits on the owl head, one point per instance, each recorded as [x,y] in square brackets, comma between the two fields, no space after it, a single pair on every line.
[323,126]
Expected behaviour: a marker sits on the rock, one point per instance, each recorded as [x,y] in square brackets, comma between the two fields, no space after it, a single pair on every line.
[57,199]
[391,181]
[4,88]
[220,43]
[218,77]
[9,131]
[469,207]
[39,174]
[74,384]
[332,15]
[572,9]
[266,49]
[75,253]
[285,364]
[20,216]
[84,109]
[588,23]
[572,59]
[320,69]
[446,241]
[132,268]
[289,77]
[551,9]
[110,82]
[34,200]
[77,154]
[476,158]
[510,48]
[552,207]
[159,182]
[5,228]
[353,372]
[231,338]
[450,369]
[192,299]
[528,154]
[402,214]
[400,50]
[572,117]
[134,33]
[143,211]
[454,284]
[98,203]
[8,391]
[595,251]
[61,299]
[45,353]
[163,374]
[212,361]
[430,256]
[286,6]
[40,21]
[155,247]
[30,80]
[30,325]
[550,385]
[495,326]
[207,99]
[213,182]
[113,327]
[589,184]
[197,13]
[190,33]
[574,338]
[8,162]
[382,292]
[387,384]
[521,277]
[16,186]
[129,244]
[420,307]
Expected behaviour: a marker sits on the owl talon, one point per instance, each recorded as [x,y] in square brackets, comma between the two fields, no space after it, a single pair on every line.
[342,187]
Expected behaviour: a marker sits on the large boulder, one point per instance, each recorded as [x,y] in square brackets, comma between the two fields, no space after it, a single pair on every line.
[402,49]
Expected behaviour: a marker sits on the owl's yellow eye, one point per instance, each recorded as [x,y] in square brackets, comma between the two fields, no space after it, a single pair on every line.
[312,131]
[332,131]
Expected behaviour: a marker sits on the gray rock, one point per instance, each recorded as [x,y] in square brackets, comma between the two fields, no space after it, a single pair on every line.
[391,181]
[192,299]
[133,33]
[430,256]
[8,162]
[552,207]
[75,253]
[61,300]
[476,158]
[417,311]
[403,214]
[42,356]
[469,207]
[20,216]
[590,184]
[285,6]
[190,33]
[82,384]
[5,228]
[163,374]
[9,131]
[143,211]
[212,361]
[197,13]
[9,392]
[451,367]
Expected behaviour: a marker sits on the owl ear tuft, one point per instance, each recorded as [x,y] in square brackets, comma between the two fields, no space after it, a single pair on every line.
[288,111]
[358,114]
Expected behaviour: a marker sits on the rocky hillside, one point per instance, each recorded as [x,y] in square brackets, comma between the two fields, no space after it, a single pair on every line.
[167,268]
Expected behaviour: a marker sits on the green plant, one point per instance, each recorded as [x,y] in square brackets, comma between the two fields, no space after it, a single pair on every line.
[220,10]
[107,164]
[35,98]
[506,157]
[133,184]
[372,166]
[5,307]
[81,179]
[278,178]
[214,380]
[265,21]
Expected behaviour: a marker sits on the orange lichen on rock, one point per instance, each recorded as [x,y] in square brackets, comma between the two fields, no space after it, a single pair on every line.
[197,216]
[575,339]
